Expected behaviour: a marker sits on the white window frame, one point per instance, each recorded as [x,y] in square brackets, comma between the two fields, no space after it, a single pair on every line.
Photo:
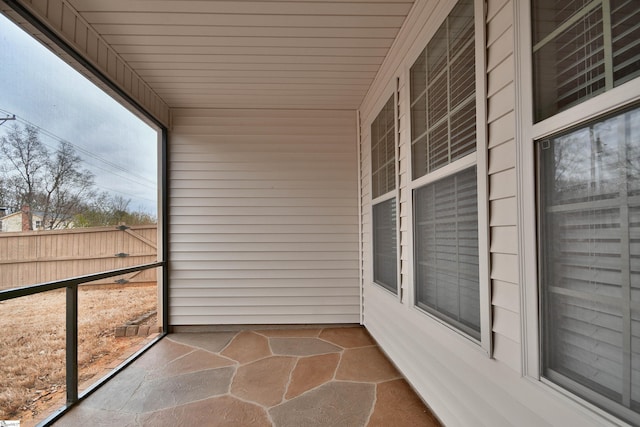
[479,158]
[391,90]
[526,134]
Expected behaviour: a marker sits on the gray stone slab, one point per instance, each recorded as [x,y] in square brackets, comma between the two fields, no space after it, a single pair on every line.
[116,393]
[210,341]
[301,346]
[333,404]
[82,416]
[177,390]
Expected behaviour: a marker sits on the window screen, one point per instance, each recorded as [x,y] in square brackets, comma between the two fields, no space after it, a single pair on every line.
[446,227]
[383,181]
[590,261]
[581,49]
[383,151]
[385,264]
[443,109]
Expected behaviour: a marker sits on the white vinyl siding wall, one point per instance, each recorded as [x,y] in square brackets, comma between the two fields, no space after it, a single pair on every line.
[461,383]
[502,183]
[264,217]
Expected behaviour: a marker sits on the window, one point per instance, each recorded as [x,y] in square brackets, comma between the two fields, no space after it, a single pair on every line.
[444,170]
[447,247]
[443,113]
[383,178]
[589,200]
[582,48]
[584,283]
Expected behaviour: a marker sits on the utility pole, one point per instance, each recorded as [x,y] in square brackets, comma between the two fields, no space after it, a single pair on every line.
[3,120]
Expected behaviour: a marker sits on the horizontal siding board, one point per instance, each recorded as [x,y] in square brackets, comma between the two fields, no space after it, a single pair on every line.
[261,318]
[501,49]
[505,295]
[507,351]
[277,211]
[502,130]
[502,184]
[502,157]
[503,212]
[270,292]
[177,274]
[250,256]
[248,266]
[263,284]
[501,102]
[504,239]
[499,23]
[263,238]
[263,216]
[248,219]
[254,312]
[506,323]
[273,249]
[504,267]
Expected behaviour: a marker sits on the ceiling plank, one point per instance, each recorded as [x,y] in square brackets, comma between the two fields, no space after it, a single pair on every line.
[400,8]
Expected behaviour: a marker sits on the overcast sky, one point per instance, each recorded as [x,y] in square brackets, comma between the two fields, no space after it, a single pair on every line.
[39,88]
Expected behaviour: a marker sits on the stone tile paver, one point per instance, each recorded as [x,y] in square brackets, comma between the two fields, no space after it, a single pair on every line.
[246,347]
[264,381]
[163,352]
[348,337]
[198,360]
[82,416]
[365,364]
[224,411]
[289,333]
[210,341]
[116,393]
[333,404]
[301,346]
[311,372]
[167,392]
[397,405]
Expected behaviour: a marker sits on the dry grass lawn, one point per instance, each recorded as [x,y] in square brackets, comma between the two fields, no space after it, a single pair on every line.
[32,341]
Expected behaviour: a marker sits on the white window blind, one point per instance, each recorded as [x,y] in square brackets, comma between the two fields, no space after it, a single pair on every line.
[443,109]
[383,181]
[383,154]
[590,261]
[443,130]
[581,49]
[446,227]
[385,262]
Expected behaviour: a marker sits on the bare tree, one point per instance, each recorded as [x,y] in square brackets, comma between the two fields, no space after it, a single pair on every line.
[54,183]
[65,186]
[26,156]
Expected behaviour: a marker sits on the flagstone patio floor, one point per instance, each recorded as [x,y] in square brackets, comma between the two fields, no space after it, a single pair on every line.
[284,377]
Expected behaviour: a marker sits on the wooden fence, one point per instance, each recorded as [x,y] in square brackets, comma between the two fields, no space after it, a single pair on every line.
[32,257]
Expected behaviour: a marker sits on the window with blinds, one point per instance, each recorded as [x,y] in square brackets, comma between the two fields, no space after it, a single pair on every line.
[383,182]
[383,151]
[446,229]
[589,202]
[385,260]
[443,104]
[581,49]
[443,133]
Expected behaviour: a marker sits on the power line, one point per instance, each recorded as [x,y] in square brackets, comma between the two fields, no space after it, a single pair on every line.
[89,153]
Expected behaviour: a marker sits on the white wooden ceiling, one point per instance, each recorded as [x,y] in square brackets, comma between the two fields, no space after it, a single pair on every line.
[251,54]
